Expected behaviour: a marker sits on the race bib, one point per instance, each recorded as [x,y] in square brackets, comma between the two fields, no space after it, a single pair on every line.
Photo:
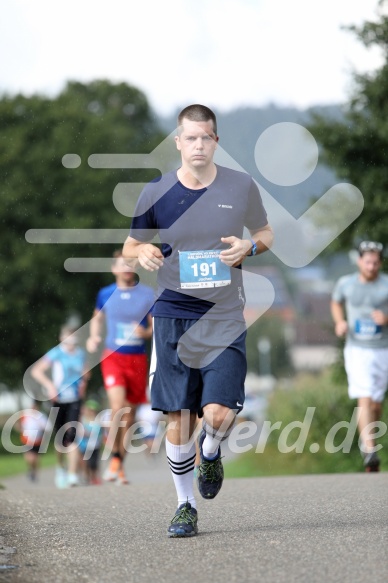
[124,335]
[201,269]
[366,329]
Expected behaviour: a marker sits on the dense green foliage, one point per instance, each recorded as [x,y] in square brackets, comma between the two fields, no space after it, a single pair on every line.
[357,146]
[37,192]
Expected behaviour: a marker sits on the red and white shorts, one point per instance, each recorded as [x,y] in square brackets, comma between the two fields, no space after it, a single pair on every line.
[126,370]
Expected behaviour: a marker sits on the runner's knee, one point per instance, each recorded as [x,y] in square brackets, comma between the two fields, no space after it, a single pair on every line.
[217,416]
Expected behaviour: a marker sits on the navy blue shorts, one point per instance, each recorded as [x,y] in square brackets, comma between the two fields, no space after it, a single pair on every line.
[198,365]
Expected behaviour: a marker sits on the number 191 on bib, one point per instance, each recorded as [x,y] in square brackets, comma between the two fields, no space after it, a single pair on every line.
[202,269]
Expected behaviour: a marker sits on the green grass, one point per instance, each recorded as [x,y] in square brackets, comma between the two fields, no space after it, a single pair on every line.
[12,464]
[328,396]
[274,463]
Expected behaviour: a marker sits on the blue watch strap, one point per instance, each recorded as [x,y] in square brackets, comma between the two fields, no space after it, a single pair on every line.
[254,248]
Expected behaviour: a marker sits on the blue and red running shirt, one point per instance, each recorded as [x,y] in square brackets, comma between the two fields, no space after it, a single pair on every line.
[124,310]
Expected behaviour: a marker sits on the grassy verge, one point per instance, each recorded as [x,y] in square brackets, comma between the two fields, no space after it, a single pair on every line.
[13,464]
[274,463]
[331,406]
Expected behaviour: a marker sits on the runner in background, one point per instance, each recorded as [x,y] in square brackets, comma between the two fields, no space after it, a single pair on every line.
[147,421]
[33,424]
[90,445]
[359,309]
[62,372]
[122,316]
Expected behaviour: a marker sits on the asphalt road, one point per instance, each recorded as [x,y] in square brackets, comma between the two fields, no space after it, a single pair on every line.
[315,529]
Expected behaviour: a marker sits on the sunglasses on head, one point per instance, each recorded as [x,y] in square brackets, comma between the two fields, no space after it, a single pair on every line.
[370,246]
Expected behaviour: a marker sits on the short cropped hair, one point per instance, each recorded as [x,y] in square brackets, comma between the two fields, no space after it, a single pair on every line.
[198,112]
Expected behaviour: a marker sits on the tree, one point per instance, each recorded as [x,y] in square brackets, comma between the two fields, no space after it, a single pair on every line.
[37,191]
[356,147]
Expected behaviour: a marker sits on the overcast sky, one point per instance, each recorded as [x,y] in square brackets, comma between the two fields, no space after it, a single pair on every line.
[224,53]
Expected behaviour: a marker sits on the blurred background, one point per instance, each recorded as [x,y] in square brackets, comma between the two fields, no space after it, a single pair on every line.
[78,80]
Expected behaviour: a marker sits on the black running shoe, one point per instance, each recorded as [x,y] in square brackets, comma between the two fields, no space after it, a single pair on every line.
[185,521]
[210,472]
[371,462]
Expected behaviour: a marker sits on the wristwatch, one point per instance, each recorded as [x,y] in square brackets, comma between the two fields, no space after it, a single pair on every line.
[253,250]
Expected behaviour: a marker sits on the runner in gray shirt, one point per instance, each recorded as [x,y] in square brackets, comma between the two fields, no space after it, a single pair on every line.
[359,309]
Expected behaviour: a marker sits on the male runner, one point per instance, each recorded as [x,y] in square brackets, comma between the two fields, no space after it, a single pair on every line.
[123,308]
[199,213]
[359,309]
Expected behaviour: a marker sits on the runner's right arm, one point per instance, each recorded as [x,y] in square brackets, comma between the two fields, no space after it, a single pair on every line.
[95,331]
[149,256]
[338,315]
[38,372]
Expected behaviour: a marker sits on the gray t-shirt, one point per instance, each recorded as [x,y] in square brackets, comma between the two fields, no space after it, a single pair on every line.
[360,300]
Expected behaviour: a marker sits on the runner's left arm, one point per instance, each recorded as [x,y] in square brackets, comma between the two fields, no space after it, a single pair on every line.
[145,333]
[241,248]
[379,317]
